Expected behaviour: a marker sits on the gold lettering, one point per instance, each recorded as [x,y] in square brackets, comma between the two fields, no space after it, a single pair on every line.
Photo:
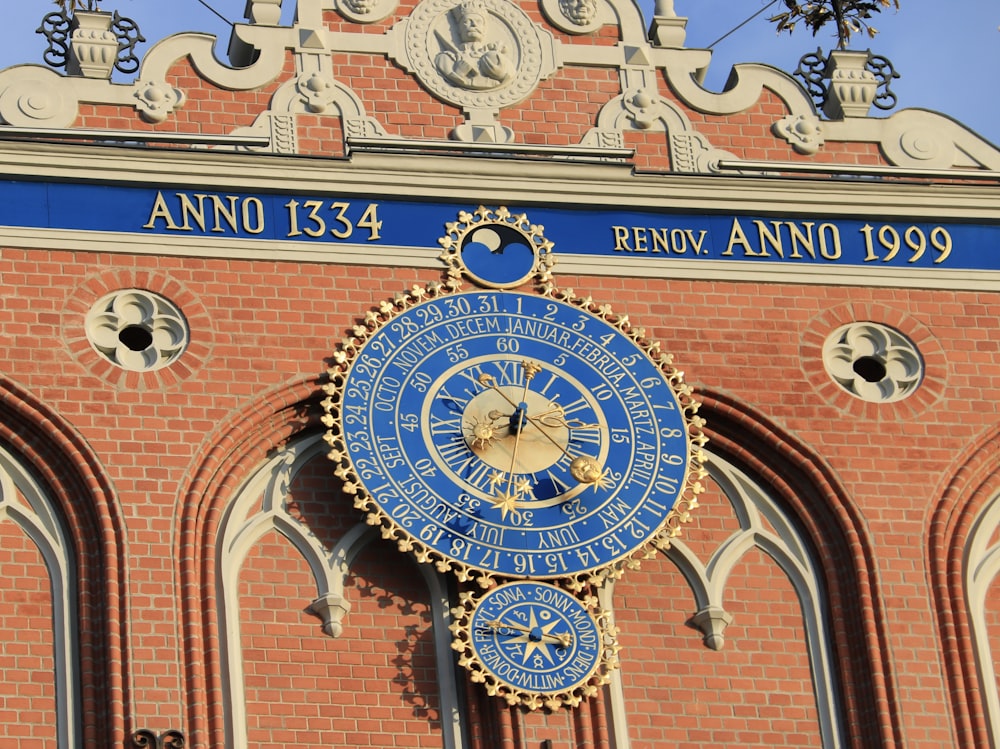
[160,210]
[621,239]
[220,211]
[824,249]
[639,235]
[678,242]
[767,238]
[188,210]
[701,239]
[369,220]
[807,242]
[738,236]
[247,226]
[660,240]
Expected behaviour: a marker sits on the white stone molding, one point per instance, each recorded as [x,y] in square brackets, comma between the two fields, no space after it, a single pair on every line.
[24,502]
[766,526]
[712,621]
[259,508]
[270,42]
[642,109]
[743,90]
[921,139]
[982,572]
[614,691]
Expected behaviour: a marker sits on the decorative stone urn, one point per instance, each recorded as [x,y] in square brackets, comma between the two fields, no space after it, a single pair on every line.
[93,47]
[852,86]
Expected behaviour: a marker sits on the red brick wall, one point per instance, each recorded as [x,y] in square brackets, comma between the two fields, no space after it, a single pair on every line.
[756,691]
[27,662]
[263,331]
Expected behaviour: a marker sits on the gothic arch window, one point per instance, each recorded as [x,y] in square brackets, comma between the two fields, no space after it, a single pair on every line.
[270,520]
[38,588]
[755,529]
[982,575]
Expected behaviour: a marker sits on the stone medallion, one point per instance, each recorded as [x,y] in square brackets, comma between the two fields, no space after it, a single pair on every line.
[477,54]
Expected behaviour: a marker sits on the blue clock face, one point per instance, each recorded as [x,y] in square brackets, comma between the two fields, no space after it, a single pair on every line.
[535,638]
[513,434]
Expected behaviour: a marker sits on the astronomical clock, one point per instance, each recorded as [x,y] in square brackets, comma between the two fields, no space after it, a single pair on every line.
[529,441]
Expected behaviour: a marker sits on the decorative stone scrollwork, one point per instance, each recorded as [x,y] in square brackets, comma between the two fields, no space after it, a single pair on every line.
[156,100]
[37,97]
[803,132]
[691,152]
[480,54]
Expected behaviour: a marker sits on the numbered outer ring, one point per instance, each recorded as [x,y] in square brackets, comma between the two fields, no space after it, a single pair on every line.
[393,510]
[535,644]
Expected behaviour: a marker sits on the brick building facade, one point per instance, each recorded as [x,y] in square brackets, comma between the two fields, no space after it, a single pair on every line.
[183,254]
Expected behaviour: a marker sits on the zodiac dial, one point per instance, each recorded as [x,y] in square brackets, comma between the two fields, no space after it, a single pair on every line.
[496,432]
[534,643]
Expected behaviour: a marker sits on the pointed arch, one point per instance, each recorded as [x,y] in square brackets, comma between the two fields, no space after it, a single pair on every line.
[75,521]
[804,483]
[235,498]
[959,535]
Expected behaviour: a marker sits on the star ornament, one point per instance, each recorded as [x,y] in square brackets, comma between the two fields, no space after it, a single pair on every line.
[534,639]
[506,503]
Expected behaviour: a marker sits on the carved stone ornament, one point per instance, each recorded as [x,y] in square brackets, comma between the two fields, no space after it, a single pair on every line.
[37,97]
[803,132]
[365,11]
[578,16]
[156,100]
[477,54]
[852,87]
[317,91]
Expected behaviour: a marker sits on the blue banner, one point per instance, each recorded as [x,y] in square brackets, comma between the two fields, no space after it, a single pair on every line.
[610,232]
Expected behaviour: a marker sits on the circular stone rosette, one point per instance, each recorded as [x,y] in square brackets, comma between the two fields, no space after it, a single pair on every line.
[535,644]
[432,30]
[496,249]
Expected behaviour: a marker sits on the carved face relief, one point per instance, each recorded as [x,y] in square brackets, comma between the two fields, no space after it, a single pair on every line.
[361,7]
[579,12]
[476,53]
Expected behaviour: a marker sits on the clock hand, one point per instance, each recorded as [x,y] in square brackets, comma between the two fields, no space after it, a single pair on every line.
[505,501]
[564,639]
[584,469]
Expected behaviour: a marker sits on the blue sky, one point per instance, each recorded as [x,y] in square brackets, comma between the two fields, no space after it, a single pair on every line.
[947,53]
